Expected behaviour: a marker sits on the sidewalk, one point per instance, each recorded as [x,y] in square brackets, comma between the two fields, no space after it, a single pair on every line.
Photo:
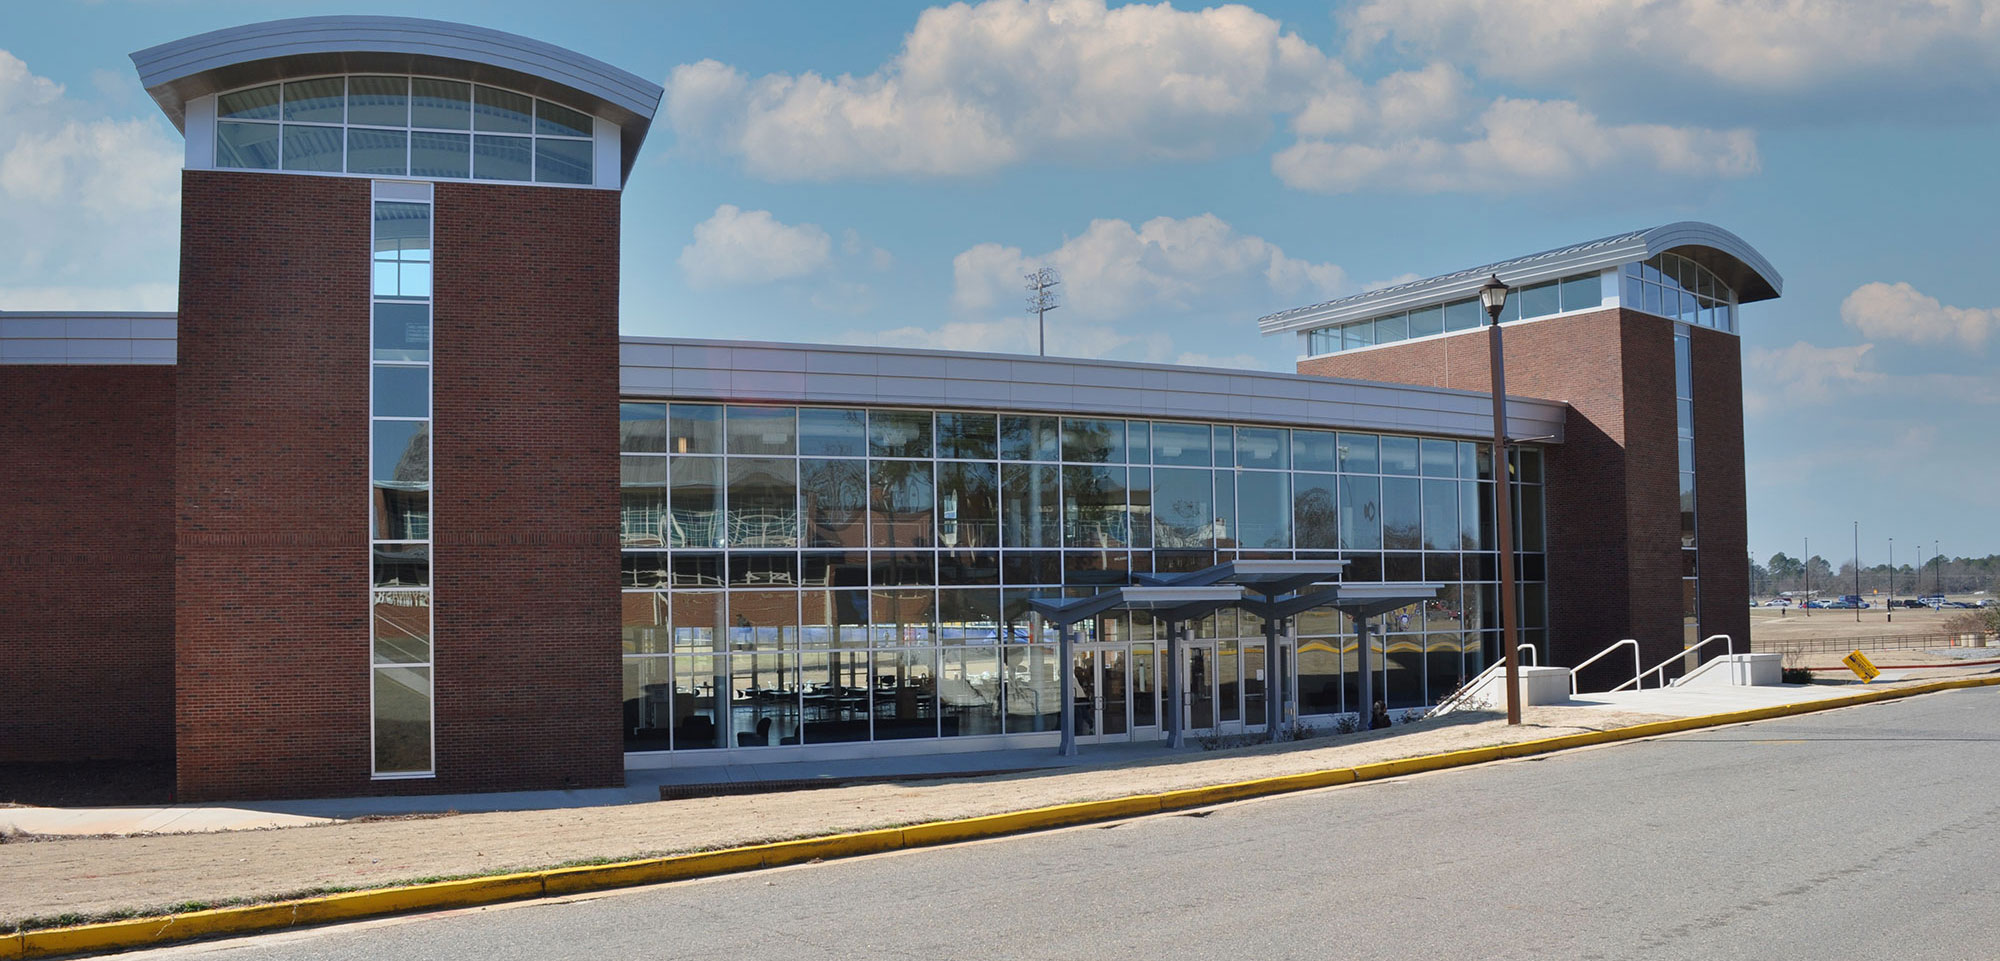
[90,876]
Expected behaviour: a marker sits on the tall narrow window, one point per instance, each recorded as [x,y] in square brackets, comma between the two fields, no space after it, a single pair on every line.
[401,664]
[1684,437]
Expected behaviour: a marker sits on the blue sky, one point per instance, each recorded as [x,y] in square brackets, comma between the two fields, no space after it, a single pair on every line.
[882,173]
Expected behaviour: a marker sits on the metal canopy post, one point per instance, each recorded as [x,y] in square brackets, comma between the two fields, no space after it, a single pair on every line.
[1175,631]
[1365,713]
[1065,692]
[1363,601]
[1176,603]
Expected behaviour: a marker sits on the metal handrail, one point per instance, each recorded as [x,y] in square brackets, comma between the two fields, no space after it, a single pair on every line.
[1534,656]
[1661,668]
[1455,699]
[1594,658]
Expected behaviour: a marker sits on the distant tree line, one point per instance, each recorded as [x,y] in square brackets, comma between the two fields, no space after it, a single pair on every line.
[1950,575]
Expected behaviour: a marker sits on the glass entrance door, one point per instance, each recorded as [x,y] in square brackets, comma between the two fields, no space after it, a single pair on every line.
[1145,674]
[1103,698]
[1198,685]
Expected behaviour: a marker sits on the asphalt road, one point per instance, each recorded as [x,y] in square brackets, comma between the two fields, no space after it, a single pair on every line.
[1871,832]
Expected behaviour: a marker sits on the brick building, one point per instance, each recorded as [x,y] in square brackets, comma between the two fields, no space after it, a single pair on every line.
[388,505]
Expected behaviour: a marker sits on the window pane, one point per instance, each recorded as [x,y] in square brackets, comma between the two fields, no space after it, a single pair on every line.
[401,455]
[501,158]
[1399,455]
[695,429]
[900,502]
[1264,447]
[1360,334]
[312,148]
[763,503]
[1028,438]
[1441,515]
[1265,502]
[762,430]
[1392,328]
[698,621]
[402,627]
[1440,458]
[401,512]
[968,436]
[1462,315]
[402,720]
[1426,320]
[402,565]
[563,161]
[1401,514]
[1225,508]
[502,111]
[696,502]
[316,101]
[561,121]
[1094,507]
[1182,445]
[402,391]
[1360,513]
[968,505]
[642,427]
[832,432]
[444,104]
[1312,450]
[835,498]
[257,103]
[402,231]
[1540,299]
[1313,511]
[1183,508]
[1360,453]
[899,433]
[379,101]
[1093,441]
[1582,293]
[440,154]
[249,146]
[378,151]
[1031,505]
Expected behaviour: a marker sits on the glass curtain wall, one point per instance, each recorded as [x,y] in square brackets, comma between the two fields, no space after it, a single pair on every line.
[799,576]
[400,489]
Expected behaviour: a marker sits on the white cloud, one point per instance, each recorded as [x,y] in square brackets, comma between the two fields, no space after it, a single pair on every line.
[1522,145]
[1901,312]
[736,247]
[1113,270]
[88,203]
[144,296]
[1780,48]
[852,245]
[1804,375]
[981,86]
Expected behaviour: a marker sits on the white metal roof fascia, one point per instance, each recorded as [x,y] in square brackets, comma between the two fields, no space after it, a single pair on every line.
[1586,257]
[181,70]
[722,371]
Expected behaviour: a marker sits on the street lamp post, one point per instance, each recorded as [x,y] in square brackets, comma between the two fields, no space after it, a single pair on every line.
[1494,297]
[1857,572]
[1891,606]
[1806,588]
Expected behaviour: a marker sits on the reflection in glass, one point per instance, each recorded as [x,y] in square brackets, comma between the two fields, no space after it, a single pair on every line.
[1031,505]
[1183,508]
[402,715]
[696,503]
[257,103]
[1313,511]
[1094,507]
[763,503]
[252,146]
[501,111]
[444,104]
[502,158]
[968,509]
[378,101]
[1399,455]
[900,500]
[1441,531]
[1360,512]
[444,155]
[762,430]
[695,429]
[315,149]
[402,391]
[562,161]
[402,629]
[378,151]
[899,433]
[1093,441]
[1266,504]
[835,498]
[1181,445]
[832,432]
[316,101]
[967,436]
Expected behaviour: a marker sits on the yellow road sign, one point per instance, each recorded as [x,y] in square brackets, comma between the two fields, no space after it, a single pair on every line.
[1860,665]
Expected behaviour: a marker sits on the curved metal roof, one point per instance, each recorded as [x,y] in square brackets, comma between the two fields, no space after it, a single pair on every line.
[227,59]
[1733,260]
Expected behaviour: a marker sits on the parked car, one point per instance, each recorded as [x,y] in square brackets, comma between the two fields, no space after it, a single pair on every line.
[1849,602]
[1909,602]
[1932,601]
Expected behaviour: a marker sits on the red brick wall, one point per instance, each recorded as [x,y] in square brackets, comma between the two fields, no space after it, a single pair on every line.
[525,472]
[1719,484]
[1612,494]
[273,636]
[87,579]
[272,468]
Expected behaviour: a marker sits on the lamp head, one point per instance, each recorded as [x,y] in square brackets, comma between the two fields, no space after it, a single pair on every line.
[1493,296]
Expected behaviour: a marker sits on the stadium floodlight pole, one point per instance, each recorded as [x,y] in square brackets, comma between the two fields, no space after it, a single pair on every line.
[1806,588]
[1494,297]
[1857,572]
[1042,299]
[1890,607]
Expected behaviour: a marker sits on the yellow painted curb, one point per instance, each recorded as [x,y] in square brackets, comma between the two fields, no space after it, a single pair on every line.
[144,932]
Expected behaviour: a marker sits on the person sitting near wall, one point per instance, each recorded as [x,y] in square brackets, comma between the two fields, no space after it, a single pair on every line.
[1380,719]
